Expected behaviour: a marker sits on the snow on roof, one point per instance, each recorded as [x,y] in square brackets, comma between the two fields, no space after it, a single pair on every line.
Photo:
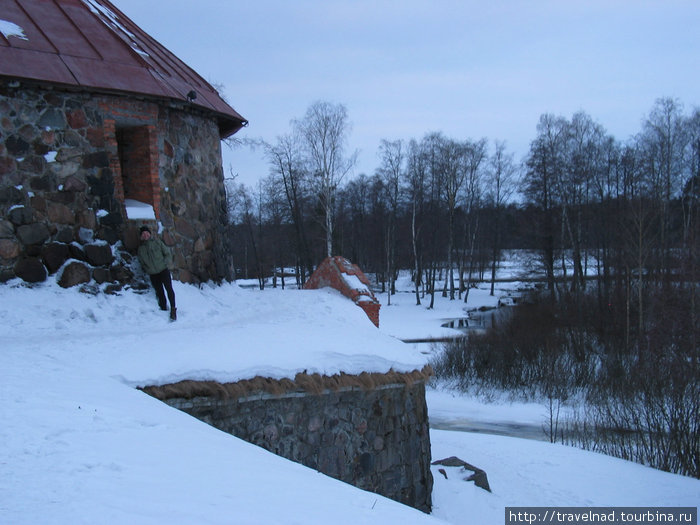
[112,21]
[9,29]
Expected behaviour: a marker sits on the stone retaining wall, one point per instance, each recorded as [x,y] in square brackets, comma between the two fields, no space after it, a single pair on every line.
[376,439]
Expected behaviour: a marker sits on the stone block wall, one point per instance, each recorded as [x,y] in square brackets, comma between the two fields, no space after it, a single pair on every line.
[376,439]
[61,186]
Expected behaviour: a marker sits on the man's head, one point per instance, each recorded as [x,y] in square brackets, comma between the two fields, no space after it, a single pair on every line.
[145,233]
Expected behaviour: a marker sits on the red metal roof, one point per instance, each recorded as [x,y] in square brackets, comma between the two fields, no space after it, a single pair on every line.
[93,45]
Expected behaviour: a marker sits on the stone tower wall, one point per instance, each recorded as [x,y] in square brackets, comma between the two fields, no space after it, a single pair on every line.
[62,189]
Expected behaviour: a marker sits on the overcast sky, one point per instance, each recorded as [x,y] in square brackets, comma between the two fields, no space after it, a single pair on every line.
[403,68]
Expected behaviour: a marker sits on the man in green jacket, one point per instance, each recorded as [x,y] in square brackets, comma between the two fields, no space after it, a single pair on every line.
[155,259]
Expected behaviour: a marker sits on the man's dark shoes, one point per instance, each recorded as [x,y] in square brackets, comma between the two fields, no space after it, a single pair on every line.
[173,314]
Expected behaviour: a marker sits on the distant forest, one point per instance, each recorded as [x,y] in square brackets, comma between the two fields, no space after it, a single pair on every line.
[440,204]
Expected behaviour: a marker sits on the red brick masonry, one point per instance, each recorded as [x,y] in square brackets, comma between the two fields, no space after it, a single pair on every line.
[339,273]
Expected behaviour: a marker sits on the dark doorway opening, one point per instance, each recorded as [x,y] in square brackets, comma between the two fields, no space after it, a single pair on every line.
[135,161]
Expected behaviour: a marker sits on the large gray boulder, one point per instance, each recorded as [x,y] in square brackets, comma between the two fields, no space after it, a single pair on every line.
[54,255]
[30,269]
[478,476]
[99,254]
[73,274]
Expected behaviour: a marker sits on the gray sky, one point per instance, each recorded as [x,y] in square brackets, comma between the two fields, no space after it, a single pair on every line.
[403,68]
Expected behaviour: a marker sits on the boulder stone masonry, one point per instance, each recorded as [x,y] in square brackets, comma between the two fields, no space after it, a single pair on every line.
[62,192]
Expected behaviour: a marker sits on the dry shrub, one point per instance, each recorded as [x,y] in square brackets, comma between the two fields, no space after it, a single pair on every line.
[312,383]
[303,382]
[366,381]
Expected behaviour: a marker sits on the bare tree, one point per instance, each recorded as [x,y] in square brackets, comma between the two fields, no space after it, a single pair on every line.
[584,152]
[434,213]
[324,131]
[391,170]
[242,211]
[453,173]
[286,164]
[691,219]
[500,184]
[273,210]
[474,155]
[663,143]
[414,185]
[354,208]
[545,164]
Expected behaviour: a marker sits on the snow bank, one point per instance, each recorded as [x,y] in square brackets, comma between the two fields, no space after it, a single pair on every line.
[81,445]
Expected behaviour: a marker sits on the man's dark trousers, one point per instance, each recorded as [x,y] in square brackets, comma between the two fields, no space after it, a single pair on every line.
[162,283]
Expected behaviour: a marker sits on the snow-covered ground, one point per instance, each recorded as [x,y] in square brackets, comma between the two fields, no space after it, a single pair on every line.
[79,443]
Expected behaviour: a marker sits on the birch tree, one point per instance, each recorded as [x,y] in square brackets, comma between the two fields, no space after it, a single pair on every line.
[414,184]
[391,170]
[324,131]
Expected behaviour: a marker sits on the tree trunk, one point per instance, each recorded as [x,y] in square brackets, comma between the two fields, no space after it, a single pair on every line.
[329,230]
[472,243]
[493,272]
[388,264]
[414,242]
[432,285]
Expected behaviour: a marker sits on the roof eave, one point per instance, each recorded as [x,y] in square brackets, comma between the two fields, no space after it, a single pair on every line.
[229,126]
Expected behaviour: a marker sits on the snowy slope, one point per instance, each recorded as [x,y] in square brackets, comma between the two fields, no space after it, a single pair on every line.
[81,445]
[530,473]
